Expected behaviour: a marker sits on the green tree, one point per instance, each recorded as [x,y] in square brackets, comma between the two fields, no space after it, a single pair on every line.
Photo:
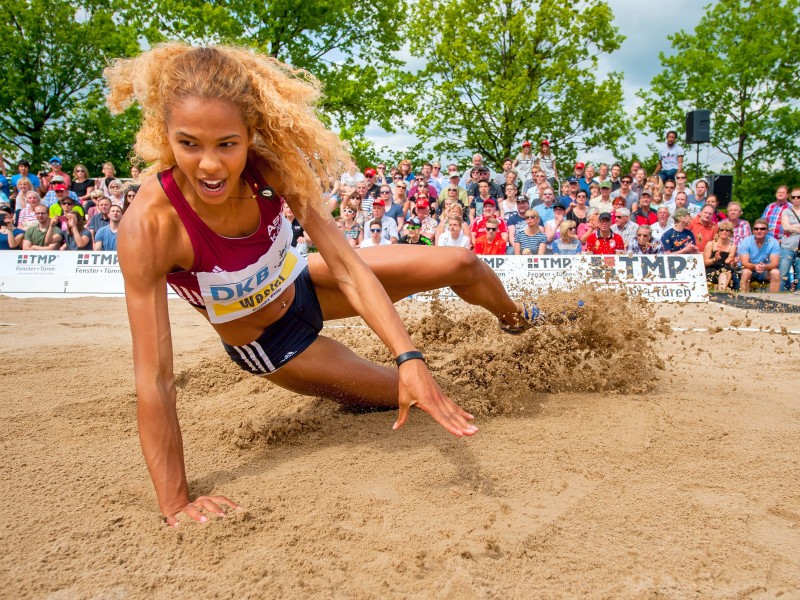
[54,52]
[501,71]
[348,44]
[92,135]
[742,62]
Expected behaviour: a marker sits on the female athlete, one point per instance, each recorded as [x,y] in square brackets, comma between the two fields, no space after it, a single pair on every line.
[231,135]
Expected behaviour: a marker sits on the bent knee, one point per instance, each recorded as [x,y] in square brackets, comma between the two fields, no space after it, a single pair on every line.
[467,262]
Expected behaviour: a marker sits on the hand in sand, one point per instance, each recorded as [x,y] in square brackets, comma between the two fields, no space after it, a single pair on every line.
[209,504]
[417,387]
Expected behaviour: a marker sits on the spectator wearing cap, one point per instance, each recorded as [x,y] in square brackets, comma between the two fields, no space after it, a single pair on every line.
[388,224]
[57,184]
[524,161]
[623,226]
[421,184]
[10,237]
[569,198]
[679,240]
[414,234]
[644,243]
[760,256]
[375,238]
[603,240]
[578,170]
[552,227]
[703,227]
[663,223]
[588,179]
[478,227]
[422,212]
[491,242]
[603,203]
[62,198]
[373,188]
[625,192]
[644,214]
[530,239]
[56,170]
[477,163]
[24,168]
[546,161]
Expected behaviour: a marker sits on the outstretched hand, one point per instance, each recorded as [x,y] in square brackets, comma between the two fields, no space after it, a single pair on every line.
[195,510]
[417,387]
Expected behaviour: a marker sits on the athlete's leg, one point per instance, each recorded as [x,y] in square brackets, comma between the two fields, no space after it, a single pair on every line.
[404,270]
[331,370]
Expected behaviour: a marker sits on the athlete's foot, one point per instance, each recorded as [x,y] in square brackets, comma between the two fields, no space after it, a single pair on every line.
[522,321]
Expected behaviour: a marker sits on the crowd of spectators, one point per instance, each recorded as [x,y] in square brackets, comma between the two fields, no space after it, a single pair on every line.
[529,207]
[52,210]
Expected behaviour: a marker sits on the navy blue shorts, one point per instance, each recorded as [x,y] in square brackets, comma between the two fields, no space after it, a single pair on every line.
[287,337]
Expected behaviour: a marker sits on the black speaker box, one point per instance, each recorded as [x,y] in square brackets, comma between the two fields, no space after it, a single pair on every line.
[698,127]
[722,187]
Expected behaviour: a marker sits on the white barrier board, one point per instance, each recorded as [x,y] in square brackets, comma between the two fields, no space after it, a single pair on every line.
[660,278]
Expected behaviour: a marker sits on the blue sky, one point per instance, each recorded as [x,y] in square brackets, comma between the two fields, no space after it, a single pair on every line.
[646,26]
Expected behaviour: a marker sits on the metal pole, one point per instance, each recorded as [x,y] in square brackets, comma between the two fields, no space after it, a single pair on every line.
[697,163]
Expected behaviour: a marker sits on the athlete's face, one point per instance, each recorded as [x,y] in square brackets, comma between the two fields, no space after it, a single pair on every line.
[210,142]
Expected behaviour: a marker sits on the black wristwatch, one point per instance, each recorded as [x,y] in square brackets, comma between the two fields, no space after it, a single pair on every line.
[414,354]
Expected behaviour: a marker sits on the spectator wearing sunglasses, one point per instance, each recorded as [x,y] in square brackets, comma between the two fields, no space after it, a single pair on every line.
[420,185]
[65,201]
[567,242]
[414,235]
[491,243]
[375,235]
[760,255]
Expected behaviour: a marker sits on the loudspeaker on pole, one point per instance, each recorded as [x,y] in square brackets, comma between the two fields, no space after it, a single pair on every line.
[722,187]
[698,127]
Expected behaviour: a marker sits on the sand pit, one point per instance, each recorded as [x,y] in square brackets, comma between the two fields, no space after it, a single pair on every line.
[629,481]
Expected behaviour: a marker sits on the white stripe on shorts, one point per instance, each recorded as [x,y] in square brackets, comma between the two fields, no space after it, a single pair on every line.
[254,367]
[263,355]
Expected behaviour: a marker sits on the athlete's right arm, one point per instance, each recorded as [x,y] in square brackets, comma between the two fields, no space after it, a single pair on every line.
[146,250]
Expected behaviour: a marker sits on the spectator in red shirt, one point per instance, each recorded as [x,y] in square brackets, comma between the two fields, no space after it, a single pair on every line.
[491,242]
[604,241]
[703,227]
[644,215]
[479,225]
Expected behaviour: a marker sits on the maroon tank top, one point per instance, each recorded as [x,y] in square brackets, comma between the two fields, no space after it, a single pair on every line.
[233,277]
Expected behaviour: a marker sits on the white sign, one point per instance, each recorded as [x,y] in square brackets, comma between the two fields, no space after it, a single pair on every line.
[659,278]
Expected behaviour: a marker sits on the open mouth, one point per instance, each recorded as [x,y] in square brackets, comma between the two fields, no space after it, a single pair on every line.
[212,186]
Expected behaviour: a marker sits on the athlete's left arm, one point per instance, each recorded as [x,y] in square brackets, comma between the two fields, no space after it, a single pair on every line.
[368,297]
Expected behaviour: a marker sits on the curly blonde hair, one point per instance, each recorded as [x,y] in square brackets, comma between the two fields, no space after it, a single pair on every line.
[276,102]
